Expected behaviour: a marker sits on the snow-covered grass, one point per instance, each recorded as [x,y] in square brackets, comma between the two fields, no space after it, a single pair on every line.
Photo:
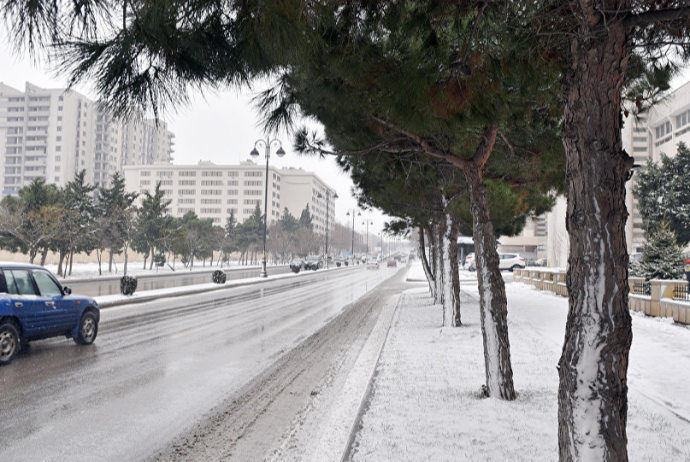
[426,405]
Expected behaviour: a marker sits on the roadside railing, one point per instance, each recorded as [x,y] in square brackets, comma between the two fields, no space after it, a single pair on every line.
[681,292]
[660,298]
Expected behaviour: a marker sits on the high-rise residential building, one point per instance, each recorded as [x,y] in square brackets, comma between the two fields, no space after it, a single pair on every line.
[55,133]
[644,137]
[215,191]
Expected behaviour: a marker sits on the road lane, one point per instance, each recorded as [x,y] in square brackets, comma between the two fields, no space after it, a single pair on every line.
[156,368]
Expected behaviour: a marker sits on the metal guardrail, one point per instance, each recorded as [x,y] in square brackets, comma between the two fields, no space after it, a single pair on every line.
[642,288]
[681,292]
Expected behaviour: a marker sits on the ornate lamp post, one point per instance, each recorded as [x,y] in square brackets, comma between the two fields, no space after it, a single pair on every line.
[359,214]
[368,222]
[267,144]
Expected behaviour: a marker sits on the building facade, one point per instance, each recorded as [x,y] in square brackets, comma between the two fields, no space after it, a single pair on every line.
[54,133]
[215,191]
[645,137]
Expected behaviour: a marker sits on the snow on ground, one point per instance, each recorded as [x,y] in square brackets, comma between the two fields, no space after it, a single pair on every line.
[425,402]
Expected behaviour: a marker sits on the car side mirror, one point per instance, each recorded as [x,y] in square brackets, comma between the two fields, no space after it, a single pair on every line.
[67,290]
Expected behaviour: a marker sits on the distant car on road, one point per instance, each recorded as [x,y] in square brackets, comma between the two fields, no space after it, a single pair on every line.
[506,261]
[313,262]
[373,264]
[392,264]
[297,265]
[35,306]
[469,262]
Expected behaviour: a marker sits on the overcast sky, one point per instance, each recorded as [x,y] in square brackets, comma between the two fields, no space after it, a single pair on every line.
[219,127]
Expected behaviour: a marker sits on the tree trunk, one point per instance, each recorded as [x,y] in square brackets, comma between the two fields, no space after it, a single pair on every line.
[492,294]
[126,247]
[425,262]
[59,269]
[44,254]
[453,275]
[448,306]
[433,259]
[440,230]
[153,252]
[99,257]
[110,260]
[592,394]
[71,259]
[32,255]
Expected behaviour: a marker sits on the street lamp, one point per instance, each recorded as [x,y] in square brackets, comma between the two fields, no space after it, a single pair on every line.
[359,214]
[368,222]
[328,202]
[267,144]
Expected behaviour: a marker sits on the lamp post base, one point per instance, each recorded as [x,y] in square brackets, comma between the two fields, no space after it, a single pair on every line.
[263,272]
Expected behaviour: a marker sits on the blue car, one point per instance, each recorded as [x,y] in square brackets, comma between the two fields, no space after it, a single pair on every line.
[34,306]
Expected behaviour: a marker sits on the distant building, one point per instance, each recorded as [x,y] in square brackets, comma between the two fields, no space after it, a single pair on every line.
[55,133]
[214,191]
[645,137]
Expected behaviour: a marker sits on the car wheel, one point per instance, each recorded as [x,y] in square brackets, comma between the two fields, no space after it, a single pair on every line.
[88,329]
[9,342]
[514,267]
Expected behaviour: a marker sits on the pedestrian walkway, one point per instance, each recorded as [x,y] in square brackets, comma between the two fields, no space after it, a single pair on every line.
[425,400]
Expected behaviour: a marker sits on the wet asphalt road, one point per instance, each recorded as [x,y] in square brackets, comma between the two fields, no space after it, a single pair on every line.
[111,285]
[157,368]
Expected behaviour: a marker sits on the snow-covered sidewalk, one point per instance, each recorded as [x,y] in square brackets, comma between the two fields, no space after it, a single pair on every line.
[425,402]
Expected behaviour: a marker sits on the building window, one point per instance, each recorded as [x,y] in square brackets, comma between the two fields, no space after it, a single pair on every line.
[210,201]
[232,201]
[211,183]
[187,173]
[233,192]
[253,183]
[186,182]
[663,129]
[233,174]
[185,201]
[682,119]
[214,173]
[254,174]
[203,210]
[233,183]
[187,192]
[145,173]
[211,192]
[253,192]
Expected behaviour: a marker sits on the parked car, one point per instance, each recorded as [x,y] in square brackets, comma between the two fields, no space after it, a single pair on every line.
[297,265]
[340,261]
[313,262]
[510,261]
[373,264]
[469,262]
[506,261]
[35,306]
[392,264]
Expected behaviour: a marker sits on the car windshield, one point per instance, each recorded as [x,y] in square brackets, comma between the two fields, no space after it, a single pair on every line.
[313,259]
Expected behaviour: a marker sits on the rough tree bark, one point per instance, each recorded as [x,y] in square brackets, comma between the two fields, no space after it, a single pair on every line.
[439,231]
[492,293]
[592,394]
[454,275]
[425,262]
[433,259]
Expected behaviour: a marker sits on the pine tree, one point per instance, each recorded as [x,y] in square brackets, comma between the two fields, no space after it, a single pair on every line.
[664,193]
[662,257]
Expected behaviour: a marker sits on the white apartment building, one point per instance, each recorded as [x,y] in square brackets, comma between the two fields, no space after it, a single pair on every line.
[646,137]
[55,133]
[214,191]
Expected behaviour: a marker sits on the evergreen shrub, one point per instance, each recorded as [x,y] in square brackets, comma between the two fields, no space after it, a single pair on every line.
[128,285]
[219,276]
